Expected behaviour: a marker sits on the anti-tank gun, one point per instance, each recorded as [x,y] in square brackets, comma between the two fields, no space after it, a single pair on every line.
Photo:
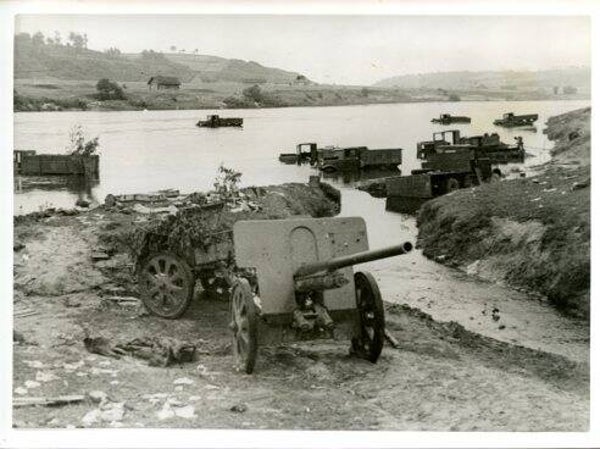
[305,287]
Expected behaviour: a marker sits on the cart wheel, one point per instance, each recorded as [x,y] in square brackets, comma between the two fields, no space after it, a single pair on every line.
[166,285]
[372,321]
[244,325]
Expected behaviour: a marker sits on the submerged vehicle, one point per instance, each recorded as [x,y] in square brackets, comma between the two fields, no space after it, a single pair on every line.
[214,121]
[442,173]
[353,158]
[510,120]
[486,145]
[447,119]
[450,162]
[305,152]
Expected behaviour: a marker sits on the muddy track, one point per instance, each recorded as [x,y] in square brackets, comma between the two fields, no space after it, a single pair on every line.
[442,376]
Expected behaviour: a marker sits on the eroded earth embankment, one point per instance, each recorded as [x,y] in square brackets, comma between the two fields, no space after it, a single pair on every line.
[531,233]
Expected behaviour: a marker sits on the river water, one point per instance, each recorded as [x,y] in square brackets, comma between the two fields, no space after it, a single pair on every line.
[144,151]
[151,150]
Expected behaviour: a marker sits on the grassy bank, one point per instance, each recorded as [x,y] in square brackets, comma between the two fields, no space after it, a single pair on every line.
[532,233]
[52,94]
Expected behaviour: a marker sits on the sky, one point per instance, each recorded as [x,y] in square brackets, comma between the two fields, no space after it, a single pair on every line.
[343,49]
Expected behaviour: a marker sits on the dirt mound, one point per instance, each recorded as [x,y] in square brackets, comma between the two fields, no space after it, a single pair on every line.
[571,132]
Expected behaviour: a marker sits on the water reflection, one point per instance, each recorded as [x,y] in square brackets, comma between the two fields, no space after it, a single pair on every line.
[80,187]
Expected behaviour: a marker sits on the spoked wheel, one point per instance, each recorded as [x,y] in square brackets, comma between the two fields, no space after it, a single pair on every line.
[166,285]
[372,321]
[244,316]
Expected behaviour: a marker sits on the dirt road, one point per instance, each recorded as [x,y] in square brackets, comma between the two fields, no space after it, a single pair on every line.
[531,375]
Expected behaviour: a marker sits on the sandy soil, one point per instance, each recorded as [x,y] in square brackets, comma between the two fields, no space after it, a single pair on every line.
[442,377]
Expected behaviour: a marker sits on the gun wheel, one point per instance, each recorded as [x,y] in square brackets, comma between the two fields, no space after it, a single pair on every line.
[371,315]
[244,324]
[166,285]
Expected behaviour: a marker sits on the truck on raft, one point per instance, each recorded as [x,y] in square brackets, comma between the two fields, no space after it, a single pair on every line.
[214,121]
[447,119]
[510,120]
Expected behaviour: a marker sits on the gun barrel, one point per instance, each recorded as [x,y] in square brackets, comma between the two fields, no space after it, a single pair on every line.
[353,259]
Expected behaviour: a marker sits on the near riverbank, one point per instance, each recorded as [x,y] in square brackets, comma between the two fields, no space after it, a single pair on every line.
[531,233]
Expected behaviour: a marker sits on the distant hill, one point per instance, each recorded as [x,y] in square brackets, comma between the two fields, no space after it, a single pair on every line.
[214,68]
[35,58]
[579,77]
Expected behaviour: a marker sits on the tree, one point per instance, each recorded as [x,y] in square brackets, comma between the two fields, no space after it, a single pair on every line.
[113,52]
[109,90]
[79,41]
[253,93]
[195,51]
[38,39]
[57,38]
[78,145]
[173,48]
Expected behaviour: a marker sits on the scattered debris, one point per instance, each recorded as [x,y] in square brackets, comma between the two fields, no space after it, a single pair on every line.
[22,313]
[98,397]
[18,246]
[581,184]
[20,390]
[394,343]
[187,412]
[495,314]
[73,366]
[100,255]
[44,376]
[18,337]
[48,402]
[127,301]
[29,384]
[158,351]
[183,381]
[239,408]
[82,203]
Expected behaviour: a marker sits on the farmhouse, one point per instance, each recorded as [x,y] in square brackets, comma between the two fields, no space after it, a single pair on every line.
[164,82]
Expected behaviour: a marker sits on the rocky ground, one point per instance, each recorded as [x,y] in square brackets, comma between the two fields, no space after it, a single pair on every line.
[441,376]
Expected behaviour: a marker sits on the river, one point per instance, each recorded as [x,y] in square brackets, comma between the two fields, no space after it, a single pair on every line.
[143,151]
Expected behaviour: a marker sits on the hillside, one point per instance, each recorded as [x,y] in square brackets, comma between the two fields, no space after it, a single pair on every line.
[579,77]
[36,58]
[213,68]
